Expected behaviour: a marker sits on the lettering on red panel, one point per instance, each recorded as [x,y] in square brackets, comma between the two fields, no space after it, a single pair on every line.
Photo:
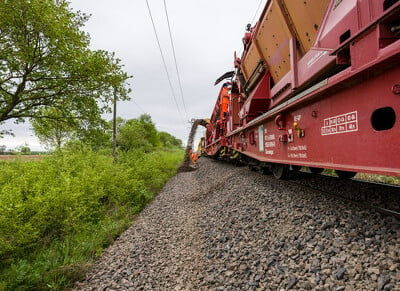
[343,123]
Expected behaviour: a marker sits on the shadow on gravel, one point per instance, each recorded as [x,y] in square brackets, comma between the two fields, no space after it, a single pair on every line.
[187,168]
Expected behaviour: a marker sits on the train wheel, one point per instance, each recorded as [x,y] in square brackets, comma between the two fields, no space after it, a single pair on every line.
[280,171]
[236,162]
[253,168]
[265,170]
[316,170]
[345,174]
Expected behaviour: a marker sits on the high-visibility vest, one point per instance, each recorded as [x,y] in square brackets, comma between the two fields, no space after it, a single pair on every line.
[224,96]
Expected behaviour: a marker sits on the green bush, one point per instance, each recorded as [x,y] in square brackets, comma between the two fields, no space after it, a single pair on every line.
[56,214]
[154,168]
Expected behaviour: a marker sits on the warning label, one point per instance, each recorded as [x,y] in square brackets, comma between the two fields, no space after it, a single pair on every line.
[347,122]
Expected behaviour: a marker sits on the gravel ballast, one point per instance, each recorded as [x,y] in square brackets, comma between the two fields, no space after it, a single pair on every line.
[226,228]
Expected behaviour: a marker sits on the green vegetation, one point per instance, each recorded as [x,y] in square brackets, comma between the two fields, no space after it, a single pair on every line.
[59,212]
[369,177]
[48,71]
[379,178]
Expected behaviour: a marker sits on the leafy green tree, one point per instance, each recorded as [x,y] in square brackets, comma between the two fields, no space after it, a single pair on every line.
[24,149]
[149,127]
[169,141]
[46,63]
[131,135]
[139,133]
[53,132]
[98,137]
[2,149]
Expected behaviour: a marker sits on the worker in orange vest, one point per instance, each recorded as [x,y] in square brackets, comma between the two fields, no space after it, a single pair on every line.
[194,157]
[224,99]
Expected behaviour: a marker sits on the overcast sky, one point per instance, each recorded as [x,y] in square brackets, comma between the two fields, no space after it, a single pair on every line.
[205,35]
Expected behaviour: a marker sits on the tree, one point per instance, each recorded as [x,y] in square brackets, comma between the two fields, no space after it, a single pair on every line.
[150,131]
[169,141]
[139,133]
[54,132]
[2,149]
[46,65]
[98,138]
[24,149]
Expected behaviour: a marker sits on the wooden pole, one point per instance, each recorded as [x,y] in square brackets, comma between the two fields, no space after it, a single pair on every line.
[114,152]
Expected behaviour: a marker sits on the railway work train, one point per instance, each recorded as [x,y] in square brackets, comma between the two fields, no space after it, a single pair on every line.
[317,85]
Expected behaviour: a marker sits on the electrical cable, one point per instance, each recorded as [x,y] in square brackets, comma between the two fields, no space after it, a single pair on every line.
[163,59]
[138,106]
[255,14]
[176,63]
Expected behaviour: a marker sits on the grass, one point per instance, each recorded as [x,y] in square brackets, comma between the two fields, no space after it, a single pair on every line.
[369,177]
[64,261]
[378,178]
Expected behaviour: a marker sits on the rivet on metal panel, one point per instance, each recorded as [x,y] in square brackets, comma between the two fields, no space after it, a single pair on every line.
[396,89]
[314,114]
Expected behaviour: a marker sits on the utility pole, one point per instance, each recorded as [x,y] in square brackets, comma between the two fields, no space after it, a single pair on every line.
[114,152]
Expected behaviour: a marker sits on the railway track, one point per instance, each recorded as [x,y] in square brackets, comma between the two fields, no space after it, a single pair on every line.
[224,227]
[381,197]
[385,194]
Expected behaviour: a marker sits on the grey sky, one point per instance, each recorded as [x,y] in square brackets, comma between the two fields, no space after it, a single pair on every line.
[205,33]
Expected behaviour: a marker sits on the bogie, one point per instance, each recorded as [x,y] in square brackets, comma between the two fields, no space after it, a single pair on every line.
[280,171]
[345,174]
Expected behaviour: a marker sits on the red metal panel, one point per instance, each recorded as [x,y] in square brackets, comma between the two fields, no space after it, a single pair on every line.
[315,61]
[364,12]
[342,18]
[338,130]
[376,8]
[364,49]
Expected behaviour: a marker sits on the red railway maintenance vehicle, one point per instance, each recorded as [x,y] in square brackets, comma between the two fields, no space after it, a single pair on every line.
[317,85]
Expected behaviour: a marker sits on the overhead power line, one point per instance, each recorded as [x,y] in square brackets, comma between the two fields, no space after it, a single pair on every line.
[255,14]
[163,59]
[138,106]
[176,63]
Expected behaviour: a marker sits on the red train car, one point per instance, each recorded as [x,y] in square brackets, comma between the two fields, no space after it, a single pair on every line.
[317,85]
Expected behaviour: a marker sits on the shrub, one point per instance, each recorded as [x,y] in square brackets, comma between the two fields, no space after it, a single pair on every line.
[73,198]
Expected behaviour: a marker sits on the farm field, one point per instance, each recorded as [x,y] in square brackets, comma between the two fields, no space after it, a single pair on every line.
[22,157]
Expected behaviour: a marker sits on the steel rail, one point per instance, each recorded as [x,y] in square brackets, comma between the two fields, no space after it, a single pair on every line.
[379,209]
